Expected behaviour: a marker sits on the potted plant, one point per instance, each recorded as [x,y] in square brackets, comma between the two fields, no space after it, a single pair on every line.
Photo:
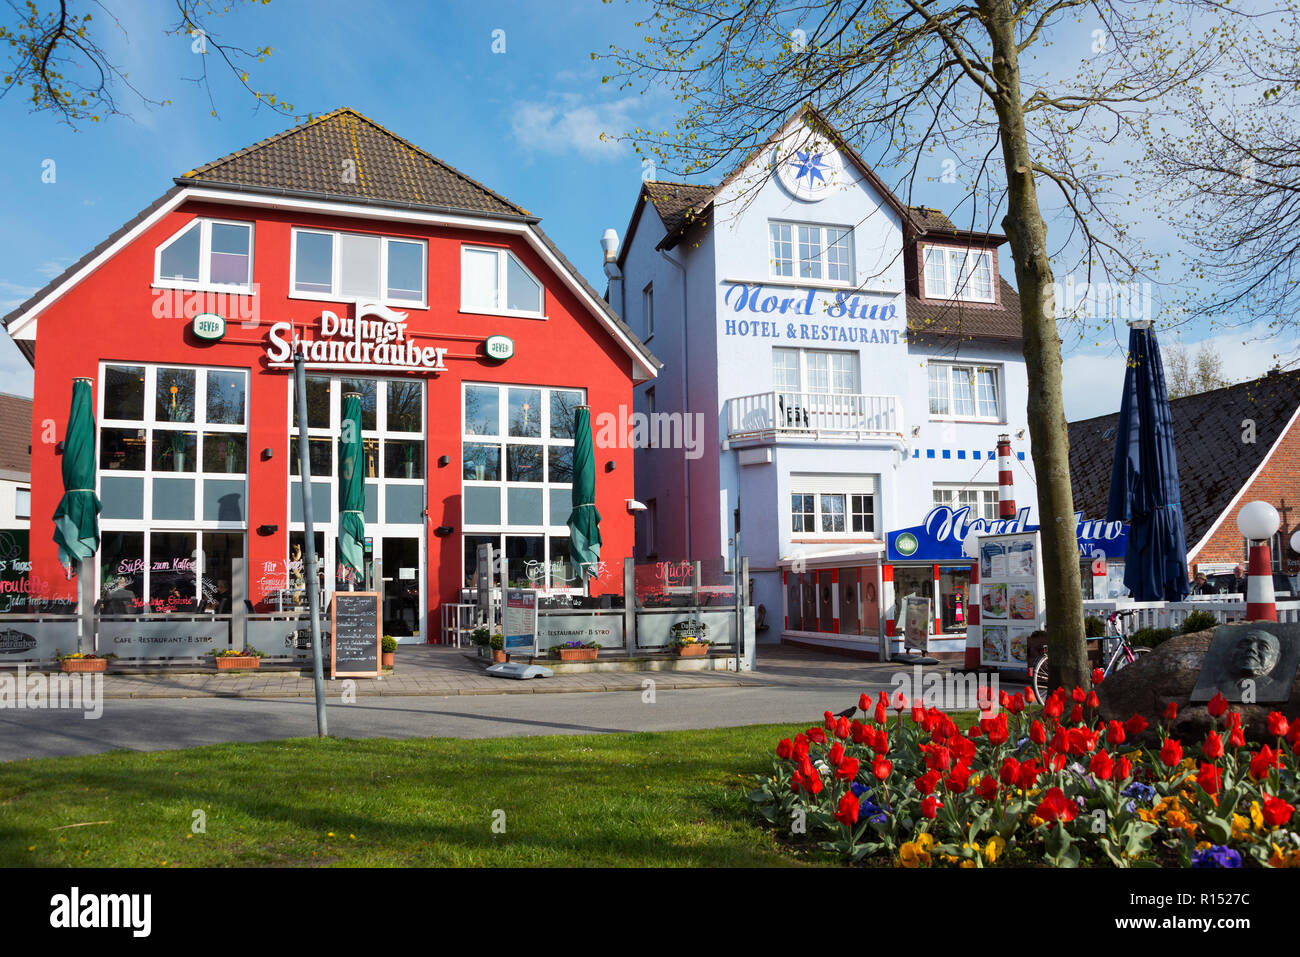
[690,638]
[79,662]
[498,644]
[231,660]
[481,638]
[577,650]
[389,650]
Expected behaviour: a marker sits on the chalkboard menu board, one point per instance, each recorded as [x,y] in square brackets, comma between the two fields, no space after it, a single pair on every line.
[355,639]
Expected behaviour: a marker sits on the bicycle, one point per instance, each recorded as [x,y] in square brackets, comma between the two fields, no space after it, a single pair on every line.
[1125,653]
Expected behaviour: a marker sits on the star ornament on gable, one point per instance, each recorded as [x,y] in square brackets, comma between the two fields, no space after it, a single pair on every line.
[809,164]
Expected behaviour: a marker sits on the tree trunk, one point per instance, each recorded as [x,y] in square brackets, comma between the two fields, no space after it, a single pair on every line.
[1027,233]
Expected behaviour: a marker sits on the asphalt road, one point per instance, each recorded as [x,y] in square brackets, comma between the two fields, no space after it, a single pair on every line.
[160,724]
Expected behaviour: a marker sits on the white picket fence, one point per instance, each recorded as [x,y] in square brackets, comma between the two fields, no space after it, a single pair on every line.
[1160,614]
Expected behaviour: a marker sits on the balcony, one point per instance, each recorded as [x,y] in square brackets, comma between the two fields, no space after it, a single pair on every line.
[767,416]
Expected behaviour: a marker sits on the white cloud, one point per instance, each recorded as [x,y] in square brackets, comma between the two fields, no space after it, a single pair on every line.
[16,374]
[52,267]
[1092,380]
[565,124]
[13,295]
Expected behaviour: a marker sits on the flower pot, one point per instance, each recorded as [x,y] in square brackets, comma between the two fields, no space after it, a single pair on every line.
[695,650]
[234,662]
[83,664]
[578,654]
[387,657]
[498,656]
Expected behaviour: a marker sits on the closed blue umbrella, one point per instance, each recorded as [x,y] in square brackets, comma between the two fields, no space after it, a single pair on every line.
[1144,488]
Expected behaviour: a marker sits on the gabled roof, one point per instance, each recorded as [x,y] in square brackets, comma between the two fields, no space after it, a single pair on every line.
[348,156]
[15,434]
[314,163]
[1213,463]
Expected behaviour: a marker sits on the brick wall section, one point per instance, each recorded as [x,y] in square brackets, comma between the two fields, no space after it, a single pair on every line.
[1278,483]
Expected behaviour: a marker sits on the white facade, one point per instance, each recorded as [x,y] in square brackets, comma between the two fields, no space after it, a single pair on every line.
[808,387]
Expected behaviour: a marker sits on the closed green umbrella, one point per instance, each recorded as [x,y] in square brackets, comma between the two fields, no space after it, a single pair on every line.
[584,520]
[352,489]
[76,520]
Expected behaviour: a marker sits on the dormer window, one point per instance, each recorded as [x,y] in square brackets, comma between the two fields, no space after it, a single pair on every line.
[965,274]
[207,254]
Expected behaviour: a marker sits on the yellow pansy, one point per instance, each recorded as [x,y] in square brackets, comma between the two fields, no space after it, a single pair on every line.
[925,841]
[993,849]
[911,855]
[1256,816]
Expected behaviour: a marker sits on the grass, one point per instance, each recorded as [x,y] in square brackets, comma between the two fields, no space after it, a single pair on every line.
[648,800]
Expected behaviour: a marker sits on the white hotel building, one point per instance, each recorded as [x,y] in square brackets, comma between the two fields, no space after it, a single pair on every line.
[854,360]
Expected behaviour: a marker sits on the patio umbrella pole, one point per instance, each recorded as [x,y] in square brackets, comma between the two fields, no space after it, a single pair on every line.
[309,543]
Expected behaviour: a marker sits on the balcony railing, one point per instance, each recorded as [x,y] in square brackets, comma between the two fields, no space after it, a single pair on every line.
[768,414]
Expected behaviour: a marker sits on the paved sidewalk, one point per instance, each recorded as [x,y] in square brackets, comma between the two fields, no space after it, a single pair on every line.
[433,670]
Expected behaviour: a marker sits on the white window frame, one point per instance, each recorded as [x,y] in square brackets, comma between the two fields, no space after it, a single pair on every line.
[773,264]
[553,526]
[845,486]
[971,369]
[947,494]
[648,309]
[336,268]
[19,493]
[204,283]
[969,258]
[503,256]
[804,385]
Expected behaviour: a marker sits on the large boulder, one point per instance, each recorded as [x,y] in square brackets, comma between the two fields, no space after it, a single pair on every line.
[1168,673]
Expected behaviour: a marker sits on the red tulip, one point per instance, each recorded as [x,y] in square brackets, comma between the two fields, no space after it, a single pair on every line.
[842,728]
[881,744]
[974,731]
[1055,704]
[784,749]
[1135,725]
[900,703]
[828,721]
[1076,714]
[848,769]
[796,782]
[927,782]
[864,702]
[1093,700]
[1278,725]
[856,731]
[1123,769]
[1056,807]
[1029,773]
[882,768]
[1265,761]
[836,753]
[1098,676]
[918,714]
[800,744]
[1209,778]
[1030,696]
[1010,772]
[1115,733]
[1171,753]
[847,812]
[1236,739]
[1037,733]
[881,714]
[1171,711]
[1101,766]
[813,784]
[1016,703]
[930,807]
[1218,704]
[1082,742]
[1078,695]
[958,779]
[817,735]
[1213,747]
[988,787]
[1276,811]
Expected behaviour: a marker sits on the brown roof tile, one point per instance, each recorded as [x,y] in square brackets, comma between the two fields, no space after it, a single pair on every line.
[953,319]
[678,203]
[350,156]
[15,433]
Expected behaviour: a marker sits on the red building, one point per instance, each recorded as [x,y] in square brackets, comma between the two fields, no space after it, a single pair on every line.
[396,270]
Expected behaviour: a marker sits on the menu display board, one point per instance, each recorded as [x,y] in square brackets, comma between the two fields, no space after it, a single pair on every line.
[521,621]
[916,623]
[1011,597]
[355,641]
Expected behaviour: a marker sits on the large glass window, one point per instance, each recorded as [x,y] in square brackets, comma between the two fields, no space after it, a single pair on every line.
[331,265]
[517,466]
[816,370]
[964,392]
[959,274]
[982,500]
[495,281]
[823,252]
[839,506]
[208,253]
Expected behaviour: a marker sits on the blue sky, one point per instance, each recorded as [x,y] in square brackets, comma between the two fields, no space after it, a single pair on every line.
[525,122]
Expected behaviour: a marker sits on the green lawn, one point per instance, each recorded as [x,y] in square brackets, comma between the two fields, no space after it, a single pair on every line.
[662,799]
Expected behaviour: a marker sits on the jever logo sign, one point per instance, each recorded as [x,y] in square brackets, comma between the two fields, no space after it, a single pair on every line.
[376,338]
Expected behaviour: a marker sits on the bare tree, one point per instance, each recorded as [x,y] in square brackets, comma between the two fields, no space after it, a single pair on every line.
[985,80]
[57,56]
[1188,374]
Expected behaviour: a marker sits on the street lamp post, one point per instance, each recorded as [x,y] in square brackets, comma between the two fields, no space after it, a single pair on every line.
[1258,522]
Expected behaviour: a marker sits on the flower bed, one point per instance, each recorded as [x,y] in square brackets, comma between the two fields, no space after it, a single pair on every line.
[1029,785]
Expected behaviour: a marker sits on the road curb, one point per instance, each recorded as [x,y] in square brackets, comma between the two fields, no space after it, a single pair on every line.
[525,688]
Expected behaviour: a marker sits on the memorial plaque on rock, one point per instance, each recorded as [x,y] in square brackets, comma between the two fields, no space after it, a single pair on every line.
[355,639]
[1250,663]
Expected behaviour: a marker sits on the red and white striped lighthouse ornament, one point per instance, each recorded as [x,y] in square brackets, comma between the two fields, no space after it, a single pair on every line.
[1258,523]
[1006,481]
